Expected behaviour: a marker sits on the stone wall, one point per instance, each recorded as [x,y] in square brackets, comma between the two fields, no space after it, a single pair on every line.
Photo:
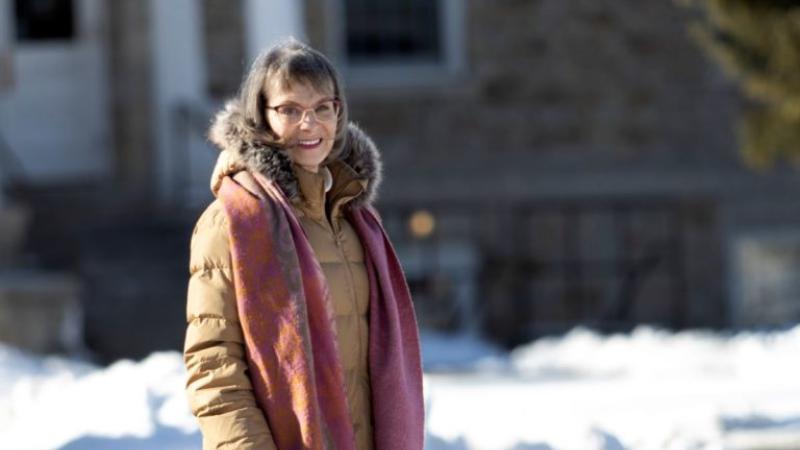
[555,86]
[580,101]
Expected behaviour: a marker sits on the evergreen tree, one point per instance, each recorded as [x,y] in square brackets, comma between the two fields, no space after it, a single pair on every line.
[758,43]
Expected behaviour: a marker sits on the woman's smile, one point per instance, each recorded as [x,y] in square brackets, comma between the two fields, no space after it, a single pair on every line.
[309,144]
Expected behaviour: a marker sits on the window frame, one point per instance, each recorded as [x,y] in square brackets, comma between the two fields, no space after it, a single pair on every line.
[401,74]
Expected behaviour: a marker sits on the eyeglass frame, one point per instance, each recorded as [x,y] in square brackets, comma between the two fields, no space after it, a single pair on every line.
[337,105]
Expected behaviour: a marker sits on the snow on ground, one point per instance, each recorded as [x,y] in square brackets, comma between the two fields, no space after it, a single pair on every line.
[645,390]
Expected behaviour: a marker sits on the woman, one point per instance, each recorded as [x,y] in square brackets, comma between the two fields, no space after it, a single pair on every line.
[301,332]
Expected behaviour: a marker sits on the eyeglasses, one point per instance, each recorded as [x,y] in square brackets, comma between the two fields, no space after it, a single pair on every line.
[292,114]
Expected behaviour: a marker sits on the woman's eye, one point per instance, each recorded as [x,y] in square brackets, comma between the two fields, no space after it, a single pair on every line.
[289,111]
[323,108]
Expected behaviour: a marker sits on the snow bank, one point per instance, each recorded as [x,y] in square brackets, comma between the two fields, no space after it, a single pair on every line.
[651,354]
[48,403]
[646,390]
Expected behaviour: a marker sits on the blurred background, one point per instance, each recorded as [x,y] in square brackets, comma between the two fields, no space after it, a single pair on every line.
[549,164]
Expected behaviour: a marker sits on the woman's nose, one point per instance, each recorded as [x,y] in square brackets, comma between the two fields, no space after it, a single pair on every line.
[308,120]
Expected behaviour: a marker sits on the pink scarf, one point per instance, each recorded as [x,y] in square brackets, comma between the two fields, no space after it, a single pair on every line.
[286,317]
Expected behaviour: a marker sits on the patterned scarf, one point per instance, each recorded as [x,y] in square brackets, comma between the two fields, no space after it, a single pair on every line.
[286,317]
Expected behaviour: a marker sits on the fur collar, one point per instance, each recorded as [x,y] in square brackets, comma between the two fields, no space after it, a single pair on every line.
[229,132]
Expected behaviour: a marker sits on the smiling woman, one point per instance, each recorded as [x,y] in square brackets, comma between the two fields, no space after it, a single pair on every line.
[301,330]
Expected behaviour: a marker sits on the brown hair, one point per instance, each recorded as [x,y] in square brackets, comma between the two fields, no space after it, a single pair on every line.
[287,62]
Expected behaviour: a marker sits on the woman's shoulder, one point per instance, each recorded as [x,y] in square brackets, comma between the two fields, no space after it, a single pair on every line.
[212,218]
[211,230]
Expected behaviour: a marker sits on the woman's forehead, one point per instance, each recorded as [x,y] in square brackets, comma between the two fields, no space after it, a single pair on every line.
[297,90]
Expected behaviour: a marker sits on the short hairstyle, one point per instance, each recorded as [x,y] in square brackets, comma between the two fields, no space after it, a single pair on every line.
[288,62]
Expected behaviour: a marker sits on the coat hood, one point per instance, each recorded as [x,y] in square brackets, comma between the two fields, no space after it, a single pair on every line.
[229,132]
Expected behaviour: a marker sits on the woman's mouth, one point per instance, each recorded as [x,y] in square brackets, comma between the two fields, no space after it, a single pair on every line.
[309,144]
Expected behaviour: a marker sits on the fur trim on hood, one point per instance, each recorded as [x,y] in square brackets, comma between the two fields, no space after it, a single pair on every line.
[229,132]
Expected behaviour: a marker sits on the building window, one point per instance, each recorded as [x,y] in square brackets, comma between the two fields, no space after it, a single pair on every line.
[44,20]
[398,30]
[390,42]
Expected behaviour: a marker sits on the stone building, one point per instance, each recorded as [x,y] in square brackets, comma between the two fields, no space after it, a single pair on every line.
[547,163]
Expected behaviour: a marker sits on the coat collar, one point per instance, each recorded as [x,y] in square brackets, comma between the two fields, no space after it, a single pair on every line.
[315,202]
[230,132]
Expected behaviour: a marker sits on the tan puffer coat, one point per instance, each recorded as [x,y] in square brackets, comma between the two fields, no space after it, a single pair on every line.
[218,387]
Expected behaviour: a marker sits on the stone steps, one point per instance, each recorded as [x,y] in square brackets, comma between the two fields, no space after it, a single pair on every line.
[41,311]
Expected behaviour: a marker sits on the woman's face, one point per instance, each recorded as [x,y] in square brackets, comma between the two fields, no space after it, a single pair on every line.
[308,136]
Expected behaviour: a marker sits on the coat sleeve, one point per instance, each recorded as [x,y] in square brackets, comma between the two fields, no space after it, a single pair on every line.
[218,388]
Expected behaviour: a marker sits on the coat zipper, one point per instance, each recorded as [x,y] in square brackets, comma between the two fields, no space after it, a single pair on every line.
[350,280]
